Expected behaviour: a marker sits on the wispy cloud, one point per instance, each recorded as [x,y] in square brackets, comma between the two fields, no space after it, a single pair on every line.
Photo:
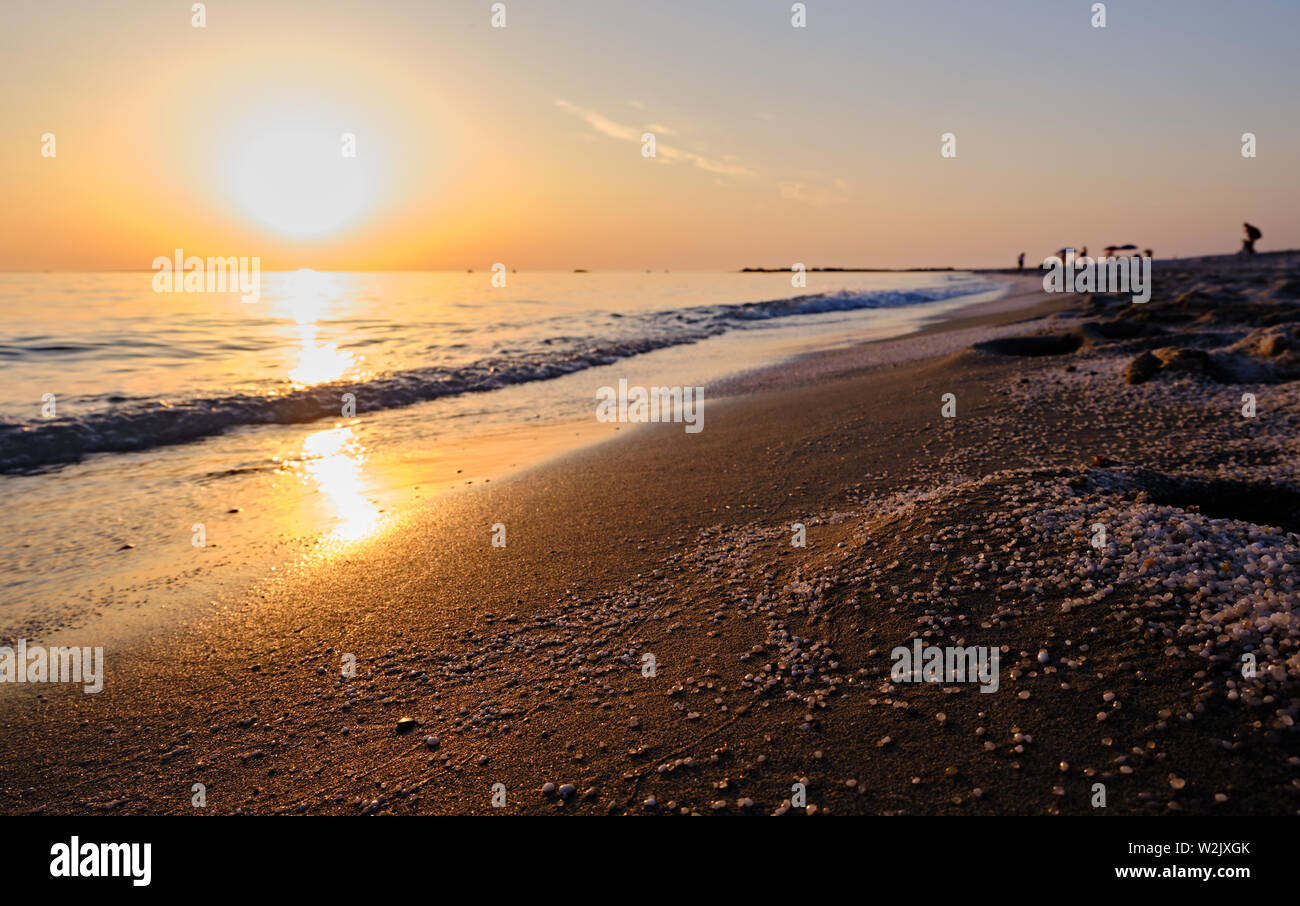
[814,195]
[601,124]
[727,165]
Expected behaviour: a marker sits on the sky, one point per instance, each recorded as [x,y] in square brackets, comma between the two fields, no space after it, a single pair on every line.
[522,145]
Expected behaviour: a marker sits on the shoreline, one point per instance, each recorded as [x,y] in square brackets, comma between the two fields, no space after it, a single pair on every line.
[253,541]
[523,665]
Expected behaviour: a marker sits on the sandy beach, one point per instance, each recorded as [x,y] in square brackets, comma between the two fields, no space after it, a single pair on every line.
[526,665]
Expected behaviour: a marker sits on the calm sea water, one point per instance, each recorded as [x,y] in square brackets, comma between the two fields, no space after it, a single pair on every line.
[171,410]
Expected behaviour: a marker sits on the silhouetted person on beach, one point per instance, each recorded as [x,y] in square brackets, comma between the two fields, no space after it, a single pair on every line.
[1020,266]
[1252,236]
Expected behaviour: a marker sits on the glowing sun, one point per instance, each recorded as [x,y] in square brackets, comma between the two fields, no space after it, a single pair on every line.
[298,173]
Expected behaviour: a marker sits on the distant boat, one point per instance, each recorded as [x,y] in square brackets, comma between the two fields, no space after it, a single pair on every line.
[580,270]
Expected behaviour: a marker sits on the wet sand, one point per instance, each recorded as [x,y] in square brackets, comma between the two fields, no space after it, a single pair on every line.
[525,665]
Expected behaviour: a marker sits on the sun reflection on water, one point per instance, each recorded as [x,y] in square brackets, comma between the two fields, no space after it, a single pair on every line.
[333,459]
[307,296]
[318,362]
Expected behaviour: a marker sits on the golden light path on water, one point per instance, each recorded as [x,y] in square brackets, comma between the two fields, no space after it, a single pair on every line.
[318,362]
[307,294]
[332,459]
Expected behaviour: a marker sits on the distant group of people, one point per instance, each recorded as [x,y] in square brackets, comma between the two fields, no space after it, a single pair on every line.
[1082,253]
[1253,235]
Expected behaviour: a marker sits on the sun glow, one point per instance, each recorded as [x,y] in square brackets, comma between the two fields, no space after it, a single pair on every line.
[290,170]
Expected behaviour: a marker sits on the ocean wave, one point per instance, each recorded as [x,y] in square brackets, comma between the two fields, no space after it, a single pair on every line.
[142,425]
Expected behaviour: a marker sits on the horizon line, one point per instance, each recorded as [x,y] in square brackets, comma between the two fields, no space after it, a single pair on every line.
[752,269]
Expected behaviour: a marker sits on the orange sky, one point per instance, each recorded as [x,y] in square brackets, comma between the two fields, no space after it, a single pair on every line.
[521,145]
